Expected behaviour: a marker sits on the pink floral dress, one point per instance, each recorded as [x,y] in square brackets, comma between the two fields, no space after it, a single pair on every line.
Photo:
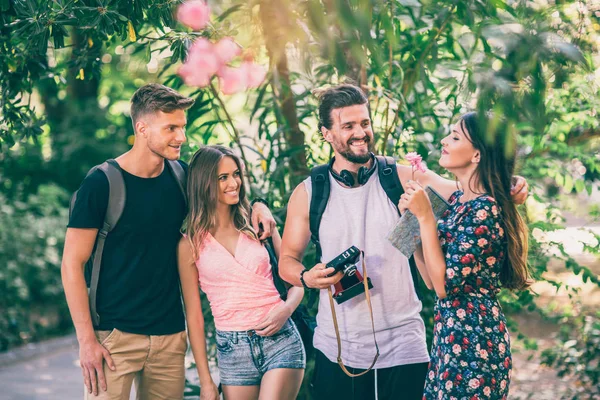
[470,355]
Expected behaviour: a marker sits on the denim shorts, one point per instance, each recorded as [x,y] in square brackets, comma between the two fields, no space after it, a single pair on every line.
[244,357]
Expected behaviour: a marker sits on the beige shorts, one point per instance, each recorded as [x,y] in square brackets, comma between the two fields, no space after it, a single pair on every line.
[154,363]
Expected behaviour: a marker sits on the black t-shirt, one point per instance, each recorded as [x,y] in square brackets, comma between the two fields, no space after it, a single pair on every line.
[138,288]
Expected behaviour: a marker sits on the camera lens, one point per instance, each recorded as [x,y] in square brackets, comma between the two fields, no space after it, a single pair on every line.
[349,269]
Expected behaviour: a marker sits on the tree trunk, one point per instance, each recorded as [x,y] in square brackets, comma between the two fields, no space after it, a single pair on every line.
[274,17]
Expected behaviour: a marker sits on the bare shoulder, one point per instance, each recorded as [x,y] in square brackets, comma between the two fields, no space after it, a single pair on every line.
[184,248]
[298,203]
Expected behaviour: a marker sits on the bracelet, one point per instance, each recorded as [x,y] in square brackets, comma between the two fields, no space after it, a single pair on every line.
[302,278]
[259,200]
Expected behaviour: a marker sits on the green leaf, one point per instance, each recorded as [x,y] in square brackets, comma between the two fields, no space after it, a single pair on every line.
[228,12]
[579,185]
[560,180]
[410,3]
[568,186]
[259,100]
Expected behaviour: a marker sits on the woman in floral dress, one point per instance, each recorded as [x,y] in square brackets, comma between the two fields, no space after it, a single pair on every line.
[476,247]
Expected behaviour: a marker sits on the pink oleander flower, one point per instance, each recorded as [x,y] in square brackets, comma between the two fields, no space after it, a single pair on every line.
[226,50]
[233,80]
[200,46]
[194,13]
[192,77]
[255,74]
[248,75]
[201,64]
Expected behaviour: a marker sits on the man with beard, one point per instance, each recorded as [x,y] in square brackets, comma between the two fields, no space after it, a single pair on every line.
[359,213]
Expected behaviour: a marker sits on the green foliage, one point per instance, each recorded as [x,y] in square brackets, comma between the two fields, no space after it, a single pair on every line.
[577,355]
[31,241]
[67,69]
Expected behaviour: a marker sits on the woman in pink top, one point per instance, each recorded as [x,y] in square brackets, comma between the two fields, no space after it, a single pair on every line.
[259,350]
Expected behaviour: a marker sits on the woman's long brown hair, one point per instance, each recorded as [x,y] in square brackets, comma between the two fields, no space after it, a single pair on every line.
[203,194]
[495,172]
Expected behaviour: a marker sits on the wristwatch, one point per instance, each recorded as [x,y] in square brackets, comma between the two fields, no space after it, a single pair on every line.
[302,278]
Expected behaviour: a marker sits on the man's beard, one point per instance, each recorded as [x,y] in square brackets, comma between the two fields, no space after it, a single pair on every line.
[347,153]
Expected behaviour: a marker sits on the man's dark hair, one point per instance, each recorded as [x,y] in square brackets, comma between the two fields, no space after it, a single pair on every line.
[338,97]
[155,97]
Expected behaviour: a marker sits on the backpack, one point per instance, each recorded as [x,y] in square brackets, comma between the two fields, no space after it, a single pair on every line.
[114,210]
[305,323]
[390,182]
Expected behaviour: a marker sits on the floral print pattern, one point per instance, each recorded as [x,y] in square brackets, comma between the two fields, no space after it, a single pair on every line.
[470,356]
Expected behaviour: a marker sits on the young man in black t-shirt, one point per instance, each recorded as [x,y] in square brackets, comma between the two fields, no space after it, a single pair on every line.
[141,335]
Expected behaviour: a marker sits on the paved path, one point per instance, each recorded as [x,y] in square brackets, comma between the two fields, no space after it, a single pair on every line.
[48,370]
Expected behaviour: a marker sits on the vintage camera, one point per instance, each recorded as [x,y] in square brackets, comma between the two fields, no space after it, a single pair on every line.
[352,284]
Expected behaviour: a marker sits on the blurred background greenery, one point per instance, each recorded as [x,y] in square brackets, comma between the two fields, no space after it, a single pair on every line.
[69,67]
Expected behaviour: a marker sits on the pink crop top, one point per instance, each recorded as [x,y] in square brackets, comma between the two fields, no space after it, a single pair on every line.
[240,288]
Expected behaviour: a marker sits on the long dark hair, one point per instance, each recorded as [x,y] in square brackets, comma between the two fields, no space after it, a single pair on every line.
[203,194]
[494,172]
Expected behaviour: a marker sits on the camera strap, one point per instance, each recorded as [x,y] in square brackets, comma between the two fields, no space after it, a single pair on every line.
[337,330]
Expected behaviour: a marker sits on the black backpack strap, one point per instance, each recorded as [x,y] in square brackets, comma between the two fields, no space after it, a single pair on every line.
[179,175]
[279,283]
[390,181]
[319,177]
[114,210]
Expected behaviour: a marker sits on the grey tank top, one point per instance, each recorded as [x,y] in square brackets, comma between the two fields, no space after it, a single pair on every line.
[362,217]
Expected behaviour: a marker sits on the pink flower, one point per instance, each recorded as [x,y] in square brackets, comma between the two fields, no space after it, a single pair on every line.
[201,46]
[255,74]
[456,349]
[416,162]
[248,75]
[413,158]
[194,14]
[474,383]
[233,80]
[192,77]
[201,64]
[226,50]
[203,58]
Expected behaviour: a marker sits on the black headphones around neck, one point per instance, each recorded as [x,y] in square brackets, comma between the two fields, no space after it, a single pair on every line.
[346,176]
